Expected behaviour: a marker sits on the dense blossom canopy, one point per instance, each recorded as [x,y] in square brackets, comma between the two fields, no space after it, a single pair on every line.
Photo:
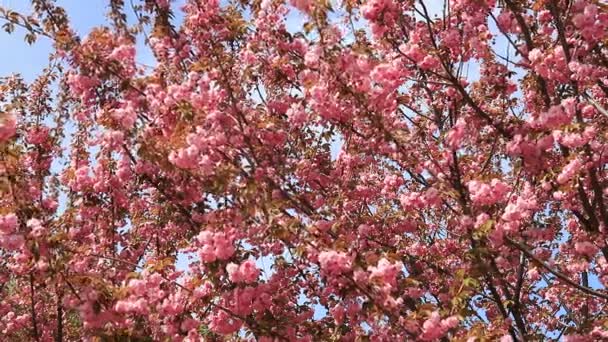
[390,170]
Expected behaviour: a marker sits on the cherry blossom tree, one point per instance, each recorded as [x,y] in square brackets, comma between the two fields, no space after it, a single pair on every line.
[389,170]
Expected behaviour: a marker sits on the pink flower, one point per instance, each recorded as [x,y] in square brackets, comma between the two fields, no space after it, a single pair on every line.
[456,134]
[185,158]
[123,52]
[429,62]
[569,171]
[12,242]
[37,230]
[83,179]
[126,116]
[521,207]
[138,287]
[578,338]
[385,273]
[555,117]
[214,246]
[224,324]
[312,56]
[303,5]
[247,272]
[8,223]
[488,194]
[42,265]
[374,8]
[337,313]
[8,126]
[535,56]
[434,327]
[450,322]
[297,115]
[412,200]
[585,248]
[83,86]
[591,23]
[506,21]
[334,263]
[414,52]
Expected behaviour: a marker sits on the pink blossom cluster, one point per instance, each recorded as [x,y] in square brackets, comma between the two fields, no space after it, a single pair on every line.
[83,86]
[435,327]
[556,116]
[456,134]
[488,194]
[8,127]
[385,273]
[574,139]
[247,272]
[592,21]
[379,13]
[334,263]
[125,115]
[416,200]
[585,248]
[215,246]
[519,209]
[10,239]
[193,156]
[569,171]
[125,55]
[553,66]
